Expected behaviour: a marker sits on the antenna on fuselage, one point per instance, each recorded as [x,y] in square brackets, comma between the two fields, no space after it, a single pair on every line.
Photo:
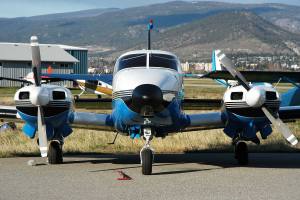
[150,27]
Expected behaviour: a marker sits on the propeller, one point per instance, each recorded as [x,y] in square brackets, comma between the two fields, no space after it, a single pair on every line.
[274,118]
[36,69]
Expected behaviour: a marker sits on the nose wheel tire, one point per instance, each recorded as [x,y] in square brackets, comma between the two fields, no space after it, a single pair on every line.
[55,154]
[241,153]
[146,159]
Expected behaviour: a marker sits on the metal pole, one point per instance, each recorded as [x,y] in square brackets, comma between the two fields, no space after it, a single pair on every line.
[149,39]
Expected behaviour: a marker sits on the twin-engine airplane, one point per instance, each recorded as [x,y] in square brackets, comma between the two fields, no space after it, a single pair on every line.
[147,101]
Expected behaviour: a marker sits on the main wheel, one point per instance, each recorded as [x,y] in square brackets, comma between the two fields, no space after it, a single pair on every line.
[241,153]
[55,154]
[76,97]
[147,159]
[99,96]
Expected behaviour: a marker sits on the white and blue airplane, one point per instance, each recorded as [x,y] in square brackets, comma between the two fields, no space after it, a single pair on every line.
[147,102]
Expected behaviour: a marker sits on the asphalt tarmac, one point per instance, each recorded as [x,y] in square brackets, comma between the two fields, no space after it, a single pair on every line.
[175,176]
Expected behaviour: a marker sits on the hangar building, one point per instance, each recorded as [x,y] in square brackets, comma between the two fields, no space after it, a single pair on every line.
[15,60]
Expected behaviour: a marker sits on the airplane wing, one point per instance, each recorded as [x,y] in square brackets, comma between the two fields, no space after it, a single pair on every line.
[289,113]
[107,78]
[205,121]
[91,121]
[216,120]
[16,80]
[8,112]
[29,82]
[258,76]
[193,75]
[76,119]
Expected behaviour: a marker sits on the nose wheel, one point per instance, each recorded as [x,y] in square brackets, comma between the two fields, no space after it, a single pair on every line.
[241,152]
[147,153]
[55,154]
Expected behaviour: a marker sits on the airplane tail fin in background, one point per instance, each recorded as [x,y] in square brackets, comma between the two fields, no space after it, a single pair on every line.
[29,77]
[216,66]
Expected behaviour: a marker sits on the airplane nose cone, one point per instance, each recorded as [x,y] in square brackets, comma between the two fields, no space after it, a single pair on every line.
[147,99]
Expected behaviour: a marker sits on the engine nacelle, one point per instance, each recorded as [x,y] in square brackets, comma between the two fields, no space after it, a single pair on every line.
[56,102]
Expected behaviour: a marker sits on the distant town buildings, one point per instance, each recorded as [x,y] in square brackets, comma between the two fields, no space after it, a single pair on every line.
[242,62]
[195,66]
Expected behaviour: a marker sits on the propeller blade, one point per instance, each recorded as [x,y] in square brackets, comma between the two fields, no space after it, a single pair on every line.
[42,133]
[36,60]
[227,63]
[282,127]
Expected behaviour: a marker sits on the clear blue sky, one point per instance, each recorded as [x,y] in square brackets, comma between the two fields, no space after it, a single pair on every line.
[18,8]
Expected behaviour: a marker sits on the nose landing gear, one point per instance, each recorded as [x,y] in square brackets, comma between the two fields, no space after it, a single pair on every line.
[147,153]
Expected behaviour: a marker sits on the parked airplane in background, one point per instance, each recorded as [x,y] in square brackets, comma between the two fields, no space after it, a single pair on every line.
[147,101]
[99,84]
[91,83]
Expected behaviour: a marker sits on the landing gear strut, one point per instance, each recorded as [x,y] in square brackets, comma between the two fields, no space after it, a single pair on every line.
[76,97]
[146,153]
[55,154]
[241,152]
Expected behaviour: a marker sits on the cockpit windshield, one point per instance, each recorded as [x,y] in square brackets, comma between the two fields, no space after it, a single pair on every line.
[163,60]
[140,60]
[133,60]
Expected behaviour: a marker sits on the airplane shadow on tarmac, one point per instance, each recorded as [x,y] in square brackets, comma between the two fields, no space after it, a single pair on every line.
[214,160]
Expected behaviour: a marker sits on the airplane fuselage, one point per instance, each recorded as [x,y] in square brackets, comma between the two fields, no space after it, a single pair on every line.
[148,92]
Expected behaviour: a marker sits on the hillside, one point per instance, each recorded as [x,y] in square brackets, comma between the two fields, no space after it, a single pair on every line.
[231,31]
[74,15]
[115,30]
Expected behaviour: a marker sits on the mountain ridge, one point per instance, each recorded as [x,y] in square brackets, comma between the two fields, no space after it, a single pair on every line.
[116,30]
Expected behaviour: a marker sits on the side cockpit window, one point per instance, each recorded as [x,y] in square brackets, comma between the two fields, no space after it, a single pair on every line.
[164,61]
[133,60]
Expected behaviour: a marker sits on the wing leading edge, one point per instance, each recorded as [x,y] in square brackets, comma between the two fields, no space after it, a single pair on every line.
[258,76]
[204,121]
[92,120]
[216,120]
[107,78]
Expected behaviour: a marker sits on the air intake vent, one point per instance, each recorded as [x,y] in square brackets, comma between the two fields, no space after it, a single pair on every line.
[271,95]
[58,95]
[236,96]
[24,95]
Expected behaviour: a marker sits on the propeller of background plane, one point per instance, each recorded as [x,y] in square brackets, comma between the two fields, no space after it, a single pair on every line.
[40,99]
[273,117]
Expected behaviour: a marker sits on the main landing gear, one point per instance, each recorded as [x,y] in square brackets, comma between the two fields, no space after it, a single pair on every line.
[76,97]
[55,154]
[147,153]
[241,152]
